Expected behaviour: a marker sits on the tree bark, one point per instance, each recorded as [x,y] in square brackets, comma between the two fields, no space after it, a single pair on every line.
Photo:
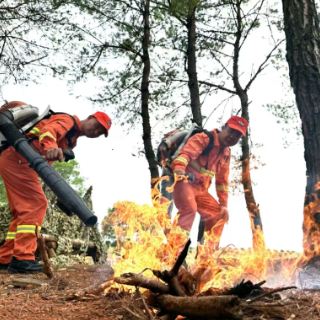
[303,56]
[133,279]
[153,167]
[192,65]
[193,82]
[221,307]
[254,212]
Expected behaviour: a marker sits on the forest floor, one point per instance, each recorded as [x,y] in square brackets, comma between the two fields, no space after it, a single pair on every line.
[51,300]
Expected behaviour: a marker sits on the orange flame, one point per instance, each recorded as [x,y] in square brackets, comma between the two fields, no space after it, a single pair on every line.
[148,239]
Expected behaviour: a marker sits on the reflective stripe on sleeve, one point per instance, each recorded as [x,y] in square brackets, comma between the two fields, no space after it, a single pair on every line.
[222,188]
[35,131]
[47,134]
[181,159]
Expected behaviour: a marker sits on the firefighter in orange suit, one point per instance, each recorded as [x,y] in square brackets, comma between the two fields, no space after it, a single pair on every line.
[27,201]
[193,197]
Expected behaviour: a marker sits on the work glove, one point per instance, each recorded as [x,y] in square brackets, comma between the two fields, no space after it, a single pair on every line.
[224,213]
[179,172]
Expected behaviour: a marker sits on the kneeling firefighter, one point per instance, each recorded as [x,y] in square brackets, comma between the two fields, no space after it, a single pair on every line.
[203,155]
[19,164]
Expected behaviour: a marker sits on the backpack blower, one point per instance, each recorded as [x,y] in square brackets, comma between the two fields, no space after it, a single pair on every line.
[14,123]
[169,149]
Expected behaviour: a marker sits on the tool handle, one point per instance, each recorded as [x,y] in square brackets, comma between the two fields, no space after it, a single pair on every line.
[68,154]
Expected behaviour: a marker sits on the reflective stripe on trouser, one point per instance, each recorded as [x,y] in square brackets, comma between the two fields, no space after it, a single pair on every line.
[11,235]
[6,250]
[189,200]
[28,206]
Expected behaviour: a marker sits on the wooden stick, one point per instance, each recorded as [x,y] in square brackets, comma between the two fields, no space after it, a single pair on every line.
[175,286]
[91,290]
[138,280]
[269,293]
[51,253]
[133,313]
[144,304]
[75,242]
[182,256]
[221,307]
[47,268]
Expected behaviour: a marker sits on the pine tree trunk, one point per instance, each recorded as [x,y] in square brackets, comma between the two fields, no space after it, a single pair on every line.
[193,83]
[192,65]
[303,55]
[153,167]
[253,209]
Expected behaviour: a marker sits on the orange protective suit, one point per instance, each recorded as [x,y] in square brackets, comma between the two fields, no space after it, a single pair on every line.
[27,201]
[194,197]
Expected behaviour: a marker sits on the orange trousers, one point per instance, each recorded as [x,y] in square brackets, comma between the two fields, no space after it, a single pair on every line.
[190,200]
[28,206]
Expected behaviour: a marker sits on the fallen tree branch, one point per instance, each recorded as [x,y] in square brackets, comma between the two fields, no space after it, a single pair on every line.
[175,286]
[133,313]
[182,256]
[91,290]
[265,311]
[144,304]
[171,277]
[75,242]
[269,293]
[221,307]
[138,280]
[47,268]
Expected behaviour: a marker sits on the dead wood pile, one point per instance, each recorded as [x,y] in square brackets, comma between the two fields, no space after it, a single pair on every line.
[174,294]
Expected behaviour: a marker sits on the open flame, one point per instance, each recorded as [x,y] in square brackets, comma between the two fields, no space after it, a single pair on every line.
[148,239]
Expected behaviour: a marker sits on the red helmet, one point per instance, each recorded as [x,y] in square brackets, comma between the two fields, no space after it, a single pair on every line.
[104,120]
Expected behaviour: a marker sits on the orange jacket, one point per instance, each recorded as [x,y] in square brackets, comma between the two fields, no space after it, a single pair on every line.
[52,132]
[190,160]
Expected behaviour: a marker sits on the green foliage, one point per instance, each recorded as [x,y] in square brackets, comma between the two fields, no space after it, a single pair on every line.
[108,231]
[3,193]
[32,35]
[70,171]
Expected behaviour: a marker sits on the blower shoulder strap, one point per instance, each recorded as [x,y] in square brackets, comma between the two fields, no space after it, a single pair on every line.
[71,132]
[207,150]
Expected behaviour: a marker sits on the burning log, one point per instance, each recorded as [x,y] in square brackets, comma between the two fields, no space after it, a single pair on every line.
[222,307]
[47,268]
[171,277]
[244,289]
[187,282]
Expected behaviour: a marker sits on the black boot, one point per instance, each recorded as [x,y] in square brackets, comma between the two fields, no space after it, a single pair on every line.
[4,266]
[24,266]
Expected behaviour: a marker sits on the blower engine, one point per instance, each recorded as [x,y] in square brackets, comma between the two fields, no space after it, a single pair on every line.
[14,123]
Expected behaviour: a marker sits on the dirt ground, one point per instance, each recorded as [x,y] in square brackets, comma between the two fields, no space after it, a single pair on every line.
[49,301]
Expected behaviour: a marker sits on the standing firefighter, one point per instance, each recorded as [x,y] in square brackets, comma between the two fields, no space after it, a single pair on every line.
[27,201]
[194,197]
